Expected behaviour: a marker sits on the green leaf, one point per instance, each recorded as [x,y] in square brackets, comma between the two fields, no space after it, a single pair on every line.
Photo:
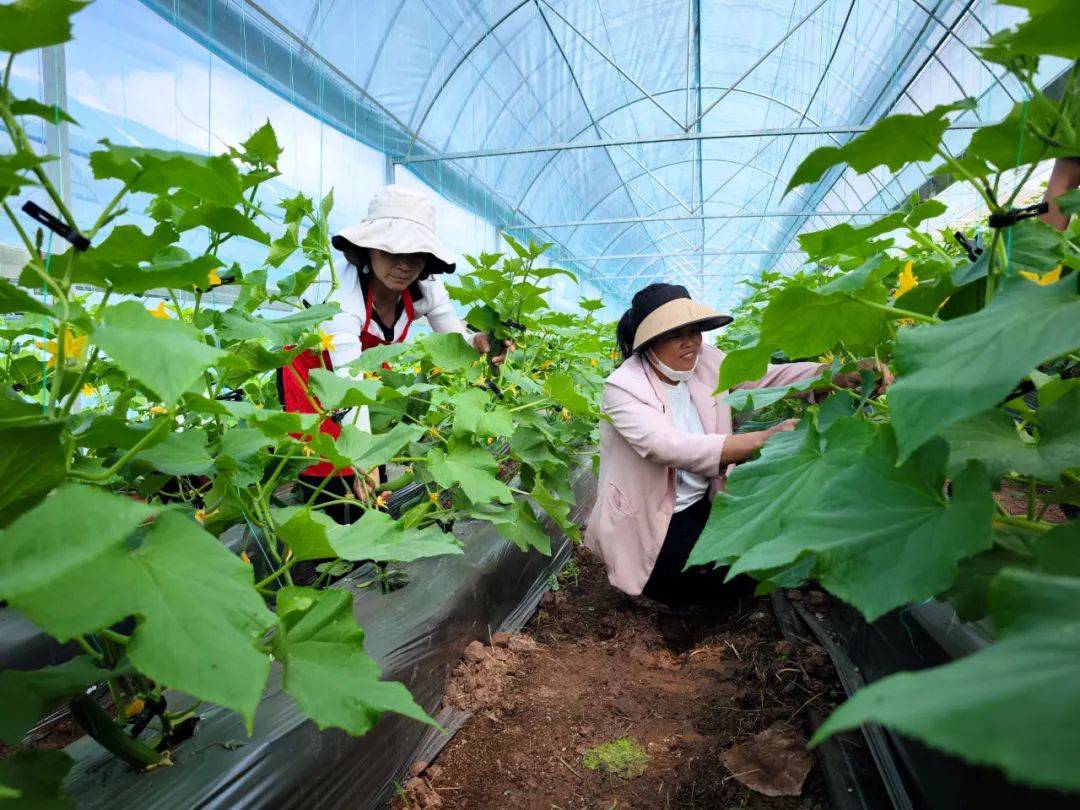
[36,778]
[531,447]
[804,323]
[1005,705]
[199,618]
[844,237]
[992,438]
[157,171]
[449,351]
[47,112]
[873,517]
[565,390]
[29,24]
[516,523]
[558,510]
[183,453]
[1069,202]
[366,450]
[471,416]
[166,356]
[377,536]
[26,696]
[754,399]
[743,365]
[223,220]
[305,531]
[869,272]
[40,547]
[1010,143]
[262,146]
[33,462]
[14,168]
[941,382]
[14,299]
[1048,31]
[239,325]
[335,391]
[894,142]
[470,467]
[325,668]
[790,474]
[1034,246]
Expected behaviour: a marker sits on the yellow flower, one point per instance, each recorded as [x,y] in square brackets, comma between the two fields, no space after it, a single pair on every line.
[415,369]
[73,348]
[89,390]
[382,500]
[435,371]
[481,381]
[134,707]
[213,279]
[546,364]
[614,356]
[593,362]
[201,515]
[308,451]
[160,312]
[1046,278]
[490,439]
[326,342]
[565,414]
[907,281]
[157,410]
[906,322]
[244,558]
[433,497]
[432,432]
[828,357]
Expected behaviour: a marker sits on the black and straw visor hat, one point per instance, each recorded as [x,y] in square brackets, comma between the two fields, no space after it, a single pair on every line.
[668,308]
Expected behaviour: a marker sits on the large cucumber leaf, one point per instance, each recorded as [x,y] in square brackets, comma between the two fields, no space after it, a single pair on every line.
[1014,704]
[959,368]
[326,670]
[876,517]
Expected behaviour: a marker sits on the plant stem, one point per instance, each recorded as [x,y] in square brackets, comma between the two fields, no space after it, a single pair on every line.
[898,313]
[105,474]
[1022,523]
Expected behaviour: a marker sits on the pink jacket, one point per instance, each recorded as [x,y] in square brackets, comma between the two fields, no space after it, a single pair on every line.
[640,449]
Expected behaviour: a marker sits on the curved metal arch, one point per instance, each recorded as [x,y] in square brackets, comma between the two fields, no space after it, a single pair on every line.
[457,66]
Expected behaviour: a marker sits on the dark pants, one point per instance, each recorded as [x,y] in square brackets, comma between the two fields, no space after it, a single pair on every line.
[338,487]
[668,583]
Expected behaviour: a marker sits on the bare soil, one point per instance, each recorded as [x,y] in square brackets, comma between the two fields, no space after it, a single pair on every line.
[595,666]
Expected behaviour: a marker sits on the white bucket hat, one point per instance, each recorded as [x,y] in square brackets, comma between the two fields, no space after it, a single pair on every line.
[399,220]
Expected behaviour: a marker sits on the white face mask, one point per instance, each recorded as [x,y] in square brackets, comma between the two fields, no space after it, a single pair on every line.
[670,373]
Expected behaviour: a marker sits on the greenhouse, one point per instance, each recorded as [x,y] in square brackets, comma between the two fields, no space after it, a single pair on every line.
[540,403]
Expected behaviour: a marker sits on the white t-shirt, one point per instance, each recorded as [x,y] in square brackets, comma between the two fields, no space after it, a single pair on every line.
[689,487]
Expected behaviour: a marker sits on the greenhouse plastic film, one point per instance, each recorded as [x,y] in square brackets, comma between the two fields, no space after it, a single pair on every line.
[416,635]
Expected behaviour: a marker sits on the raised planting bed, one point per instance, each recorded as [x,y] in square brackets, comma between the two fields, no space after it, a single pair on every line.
[415,634]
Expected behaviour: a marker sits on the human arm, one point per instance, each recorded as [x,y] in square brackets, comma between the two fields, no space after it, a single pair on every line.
[656,439]
[1064,177]
[443,318]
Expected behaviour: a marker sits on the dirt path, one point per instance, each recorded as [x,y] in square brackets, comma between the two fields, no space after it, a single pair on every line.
[595,667]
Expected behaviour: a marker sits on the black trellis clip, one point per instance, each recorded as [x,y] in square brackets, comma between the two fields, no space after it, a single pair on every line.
[1006,219]
[56,226]
[972,249]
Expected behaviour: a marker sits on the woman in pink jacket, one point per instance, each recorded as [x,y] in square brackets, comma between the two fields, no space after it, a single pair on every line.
[667,444]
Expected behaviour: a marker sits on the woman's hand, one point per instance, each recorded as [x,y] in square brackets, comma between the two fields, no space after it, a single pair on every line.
[482,345]
[853,379]
[364,485]
[741,446]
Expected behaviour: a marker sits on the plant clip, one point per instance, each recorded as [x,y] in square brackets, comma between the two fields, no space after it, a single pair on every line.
[972,249]
[512,324]
[1006,219]
[56,226]
[337,416]
[236,395]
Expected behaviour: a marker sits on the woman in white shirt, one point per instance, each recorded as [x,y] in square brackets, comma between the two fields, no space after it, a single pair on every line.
[388,279]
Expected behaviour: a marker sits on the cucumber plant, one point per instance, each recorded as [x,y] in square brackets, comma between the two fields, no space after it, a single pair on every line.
[890,499]
[138,431]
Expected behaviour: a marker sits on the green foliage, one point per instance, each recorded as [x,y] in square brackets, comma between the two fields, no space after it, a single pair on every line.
[621,757]
[888,498]
[137,434]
